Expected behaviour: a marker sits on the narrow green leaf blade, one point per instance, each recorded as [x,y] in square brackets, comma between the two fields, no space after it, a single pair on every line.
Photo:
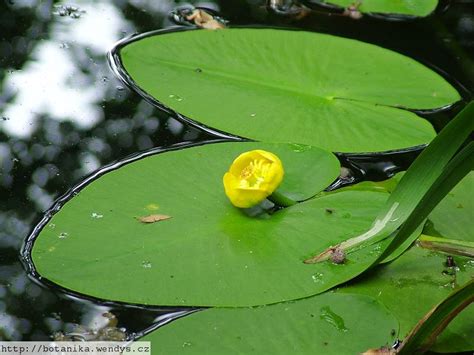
[431,163]
[454,172]
[431,176]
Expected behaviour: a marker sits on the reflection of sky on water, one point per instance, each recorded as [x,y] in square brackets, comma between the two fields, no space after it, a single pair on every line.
[63,115]
[67,115]
[52,83]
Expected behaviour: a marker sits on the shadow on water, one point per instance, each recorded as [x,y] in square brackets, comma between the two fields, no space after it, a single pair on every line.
[64,115]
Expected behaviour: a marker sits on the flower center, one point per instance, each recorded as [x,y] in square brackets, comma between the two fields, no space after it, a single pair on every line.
[254,173]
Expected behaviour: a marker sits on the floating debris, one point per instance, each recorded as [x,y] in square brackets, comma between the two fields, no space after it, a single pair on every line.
[330,210]
[288,8]
[352,11]
[450,261]
[338,256]
[198,16]
[68,10]
[153,218]
[384,350]
[108,333]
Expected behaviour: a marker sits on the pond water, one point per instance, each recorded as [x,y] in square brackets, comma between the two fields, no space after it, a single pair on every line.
[64,114]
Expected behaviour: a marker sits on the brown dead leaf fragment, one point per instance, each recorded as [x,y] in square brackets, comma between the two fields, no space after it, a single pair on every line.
[352,11]
[153,218]
[381,351]
[204,20]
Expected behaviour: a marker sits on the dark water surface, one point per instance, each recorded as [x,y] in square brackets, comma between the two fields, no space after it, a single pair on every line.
[64,114]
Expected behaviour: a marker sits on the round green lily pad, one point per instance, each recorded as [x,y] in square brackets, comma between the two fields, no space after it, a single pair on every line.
[201,250]
[452,218]
[325,324]
[288,86]
[398,7]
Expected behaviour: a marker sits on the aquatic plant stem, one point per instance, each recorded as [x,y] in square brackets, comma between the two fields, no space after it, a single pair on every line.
[451,246]
[281,200]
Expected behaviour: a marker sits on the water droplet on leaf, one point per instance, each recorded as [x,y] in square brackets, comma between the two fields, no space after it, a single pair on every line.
[146,264]
[176,97]
[317,277]
[63,235]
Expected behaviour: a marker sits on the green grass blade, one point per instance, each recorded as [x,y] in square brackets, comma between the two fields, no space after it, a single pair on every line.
[455,170]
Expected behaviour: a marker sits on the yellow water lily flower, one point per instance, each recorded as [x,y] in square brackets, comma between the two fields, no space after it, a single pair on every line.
[252,177]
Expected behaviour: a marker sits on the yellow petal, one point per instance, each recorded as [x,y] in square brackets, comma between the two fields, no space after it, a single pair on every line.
[252,177]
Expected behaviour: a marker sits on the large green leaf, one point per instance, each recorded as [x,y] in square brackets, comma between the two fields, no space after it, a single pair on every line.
[402,7]
[289,86]
[325,324]
[414,283]
[208,249]
[452,218]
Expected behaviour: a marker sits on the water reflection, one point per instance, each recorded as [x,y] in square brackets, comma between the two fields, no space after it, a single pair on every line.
[63,114]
